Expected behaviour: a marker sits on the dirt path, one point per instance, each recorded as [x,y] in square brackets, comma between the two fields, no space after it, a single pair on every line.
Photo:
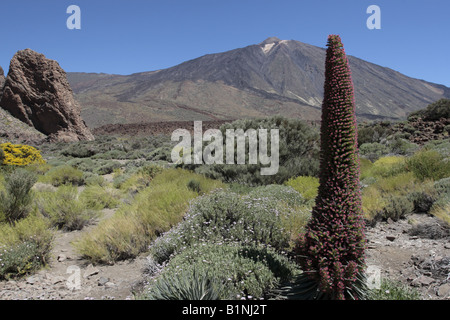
[69,277]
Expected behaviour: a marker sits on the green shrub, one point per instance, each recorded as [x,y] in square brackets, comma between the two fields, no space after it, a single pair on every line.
[373,151]
[63,175]
[63,208]
[373,203]
[373,132]
[441,146]
[19,260]
[155,210]
[224,217]
[387,167]
[394,290]
[78,150]
[15,201]
[441,209]
[401,146]
[434,111]
[422,201]
[398,207]
[98,197]
[194,185]
[91,179]
[429,164]
[243,271]
[306,186]
[442,186]
[107,168]
[150,171]
[298,153]
[25,246]
[277,193]
[187,285]
[400,184]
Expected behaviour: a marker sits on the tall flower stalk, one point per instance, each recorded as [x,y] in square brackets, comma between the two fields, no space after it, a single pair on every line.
[331,250]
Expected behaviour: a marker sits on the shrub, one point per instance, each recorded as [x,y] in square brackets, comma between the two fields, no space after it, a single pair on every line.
[373,151]
[434,111]
[63,175]
[442,186]
[373,132]
[194,185]
[373,203]
[441,210]
[422,201]
[401,146]
[441,146]
[429,164]
[18,260]
[107,168]
[388,166]
[306,186]
[78,150]
[398,207]
[277,193]
[98,198]
[331,250]
[136,179]
[150,171]
[24,246]
[91,179]
[155,210]
[430,231]
[243,271]
[20,155]
[187,285]
[298,153]
[394,290]
[224,217]
[63,208]
[400,184]
[16,199]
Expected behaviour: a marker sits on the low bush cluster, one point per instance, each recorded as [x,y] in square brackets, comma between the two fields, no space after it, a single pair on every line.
[238,240]
[19,155]
[25,246]
[64,209]
[298,153]
[62,175]
[15,200]
[154,210]
[233,271]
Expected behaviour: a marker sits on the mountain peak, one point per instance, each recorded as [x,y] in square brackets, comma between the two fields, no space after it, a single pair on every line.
[270,40]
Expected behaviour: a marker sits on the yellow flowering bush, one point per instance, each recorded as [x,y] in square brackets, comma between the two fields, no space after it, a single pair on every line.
[20,155]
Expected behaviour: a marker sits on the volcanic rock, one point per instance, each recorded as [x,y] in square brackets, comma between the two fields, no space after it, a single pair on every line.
[37,92]
[2,81]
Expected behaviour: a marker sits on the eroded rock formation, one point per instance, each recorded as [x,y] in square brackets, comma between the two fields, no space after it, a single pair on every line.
[36,91]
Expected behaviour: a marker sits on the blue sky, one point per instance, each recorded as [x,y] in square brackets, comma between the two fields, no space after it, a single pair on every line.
[124,37]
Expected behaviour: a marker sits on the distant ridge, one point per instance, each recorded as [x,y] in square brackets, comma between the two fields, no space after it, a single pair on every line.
[283,77]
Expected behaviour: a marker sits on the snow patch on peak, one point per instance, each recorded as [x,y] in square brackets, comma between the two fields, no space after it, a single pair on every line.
[268,47]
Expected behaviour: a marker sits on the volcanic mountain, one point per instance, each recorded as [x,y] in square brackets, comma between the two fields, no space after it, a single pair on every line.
[276,76]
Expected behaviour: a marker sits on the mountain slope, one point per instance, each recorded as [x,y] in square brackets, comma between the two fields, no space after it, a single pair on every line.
[273,77]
